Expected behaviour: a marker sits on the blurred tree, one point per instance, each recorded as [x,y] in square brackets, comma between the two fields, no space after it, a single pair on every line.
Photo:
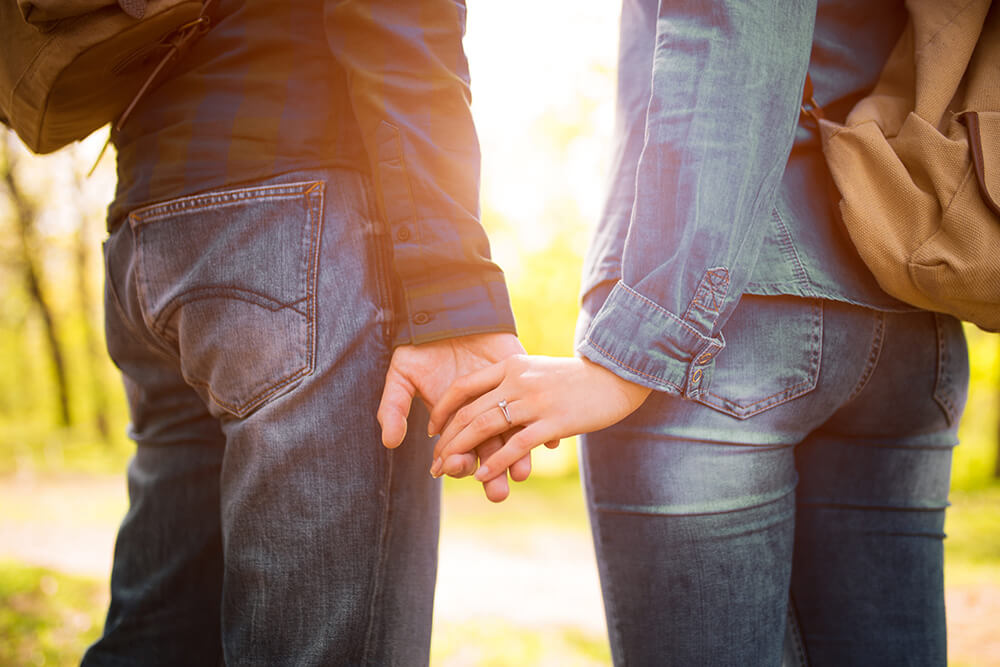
[93,351]
[996,461]
[25,213]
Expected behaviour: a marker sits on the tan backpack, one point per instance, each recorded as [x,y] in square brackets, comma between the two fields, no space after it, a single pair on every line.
[68,67]
[917,163]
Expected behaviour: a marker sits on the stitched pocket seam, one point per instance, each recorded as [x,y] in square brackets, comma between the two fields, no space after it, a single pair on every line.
[749,409]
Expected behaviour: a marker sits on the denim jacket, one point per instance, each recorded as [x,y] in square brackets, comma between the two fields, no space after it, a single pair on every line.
[717,188]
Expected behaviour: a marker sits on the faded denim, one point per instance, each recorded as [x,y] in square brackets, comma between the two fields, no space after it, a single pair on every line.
[816,468]
[267,524]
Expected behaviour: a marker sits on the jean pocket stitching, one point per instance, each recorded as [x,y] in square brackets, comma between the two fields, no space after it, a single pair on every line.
[305,307]
[942,379]
[786,394]
[221,199]
[874,353]
[222,292]
[249,405]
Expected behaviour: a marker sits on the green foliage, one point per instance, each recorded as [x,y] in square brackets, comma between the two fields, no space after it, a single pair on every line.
[47,618]
[975,457]
[972,550]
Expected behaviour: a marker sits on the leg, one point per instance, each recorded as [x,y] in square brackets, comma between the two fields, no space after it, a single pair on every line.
[270,301]
[692,504]
[867,577]
[694,543]
[166,584]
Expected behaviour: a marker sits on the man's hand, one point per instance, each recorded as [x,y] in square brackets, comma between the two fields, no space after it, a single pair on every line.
[428,370]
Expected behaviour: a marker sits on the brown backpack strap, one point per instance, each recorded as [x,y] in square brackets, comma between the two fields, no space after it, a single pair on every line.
[179,40]
[971,121]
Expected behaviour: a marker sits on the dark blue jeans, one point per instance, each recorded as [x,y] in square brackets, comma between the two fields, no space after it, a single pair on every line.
[816,469]
[267,525]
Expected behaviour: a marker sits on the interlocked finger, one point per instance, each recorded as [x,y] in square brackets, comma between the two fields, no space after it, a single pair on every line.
[488,422]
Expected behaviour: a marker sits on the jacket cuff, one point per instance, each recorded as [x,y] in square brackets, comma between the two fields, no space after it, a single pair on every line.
[644,343]
[446,309]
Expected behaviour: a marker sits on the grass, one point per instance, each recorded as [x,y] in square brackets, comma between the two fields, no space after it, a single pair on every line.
[972,549]
[46,617]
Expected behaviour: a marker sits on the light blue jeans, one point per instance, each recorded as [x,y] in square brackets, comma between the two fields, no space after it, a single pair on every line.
[816,469]
[267,524]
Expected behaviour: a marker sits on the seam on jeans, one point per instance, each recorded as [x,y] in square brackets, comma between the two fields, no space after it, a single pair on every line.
[255,400]
[316,196]
[874,352]
[943,374]
[116,300]
[155,347]
[789,390]
[381,558]
[228,292]
[140,292]
[796,632]
[221,198]
[626,366]
[610,606]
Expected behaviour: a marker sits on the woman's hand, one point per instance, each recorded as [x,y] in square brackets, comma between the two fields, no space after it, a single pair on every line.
[427,370]
[546,398]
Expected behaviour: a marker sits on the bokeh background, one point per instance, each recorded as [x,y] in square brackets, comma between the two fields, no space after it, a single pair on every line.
[517,582]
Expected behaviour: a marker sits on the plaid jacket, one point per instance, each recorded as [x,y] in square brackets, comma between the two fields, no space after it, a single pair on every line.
[379,86]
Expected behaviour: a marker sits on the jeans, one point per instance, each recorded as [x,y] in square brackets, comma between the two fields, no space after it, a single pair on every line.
[267,524]
[811,480]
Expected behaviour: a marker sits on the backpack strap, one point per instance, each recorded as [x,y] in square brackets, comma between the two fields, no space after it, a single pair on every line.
[180,40]
[981,158]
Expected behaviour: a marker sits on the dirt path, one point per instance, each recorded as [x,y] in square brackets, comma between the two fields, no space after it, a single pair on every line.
[68,523]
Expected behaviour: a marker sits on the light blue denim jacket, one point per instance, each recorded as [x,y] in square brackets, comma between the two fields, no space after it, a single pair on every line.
[717,190]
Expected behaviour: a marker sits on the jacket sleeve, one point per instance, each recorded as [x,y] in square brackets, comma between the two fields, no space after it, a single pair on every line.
[722,110]
[408,80]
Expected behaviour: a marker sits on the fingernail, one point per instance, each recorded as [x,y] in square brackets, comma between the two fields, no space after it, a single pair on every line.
[436,467]
[482,473]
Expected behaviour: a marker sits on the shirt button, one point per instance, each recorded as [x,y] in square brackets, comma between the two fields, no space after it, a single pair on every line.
[403,234]
[696,376]
[421,318]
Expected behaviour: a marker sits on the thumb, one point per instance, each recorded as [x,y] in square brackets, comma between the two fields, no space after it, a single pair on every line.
[394,408]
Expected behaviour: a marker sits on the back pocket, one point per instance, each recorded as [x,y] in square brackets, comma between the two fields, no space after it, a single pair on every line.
[227,281]
[772,355]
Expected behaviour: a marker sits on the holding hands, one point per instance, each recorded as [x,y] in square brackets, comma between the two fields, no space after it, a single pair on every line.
[526,401]
[427,370]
